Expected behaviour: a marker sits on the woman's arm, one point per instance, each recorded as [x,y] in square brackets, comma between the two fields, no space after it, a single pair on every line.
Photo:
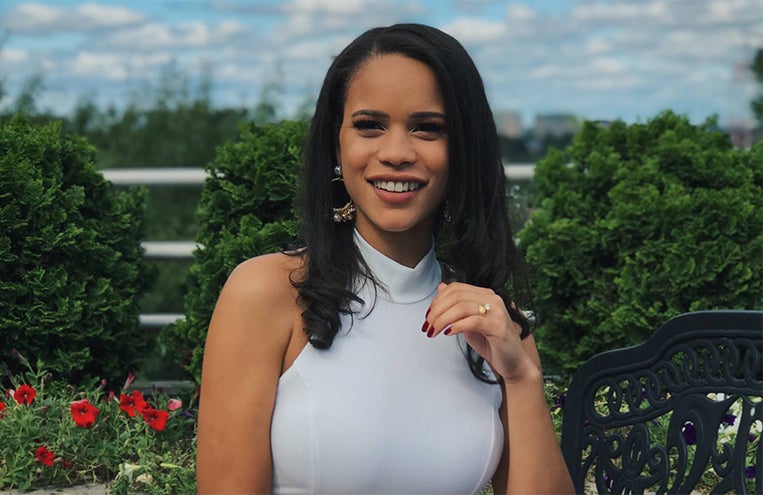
[532,461]
[243,356]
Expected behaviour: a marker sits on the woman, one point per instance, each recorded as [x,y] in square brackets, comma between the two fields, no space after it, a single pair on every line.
[362,363]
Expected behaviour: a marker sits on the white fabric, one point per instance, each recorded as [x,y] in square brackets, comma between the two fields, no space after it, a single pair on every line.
[386,410]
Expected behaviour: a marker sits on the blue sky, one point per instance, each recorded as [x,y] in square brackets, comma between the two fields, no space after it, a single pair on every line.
[596,59]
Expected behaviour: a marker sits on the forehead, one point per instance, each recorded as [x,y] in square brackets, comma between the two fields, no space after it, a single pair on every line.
[394,80]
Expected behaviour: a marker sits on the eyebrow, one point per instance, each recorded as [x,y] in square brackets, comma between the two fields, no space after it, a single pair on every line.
[383,115]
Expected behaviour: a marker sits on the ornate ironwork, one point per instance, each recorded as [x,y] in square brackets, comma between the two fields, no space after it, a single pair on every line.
[684,406]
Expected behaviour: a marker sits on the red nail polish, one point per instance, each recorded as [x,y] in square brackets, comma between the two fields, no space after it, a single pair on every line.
[425,326]
[447,331]
[430,332]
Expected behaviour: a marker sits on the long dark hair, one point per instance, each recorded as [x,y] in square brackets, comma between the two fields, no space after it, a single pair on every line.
[474,239]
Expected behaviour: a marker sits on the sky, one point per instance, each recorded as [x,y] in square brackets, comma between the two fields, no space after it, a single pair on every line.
[595,59]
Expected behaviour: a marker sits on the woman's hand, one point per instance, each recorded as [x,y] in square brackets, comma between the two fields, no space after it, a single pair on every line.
[460,308]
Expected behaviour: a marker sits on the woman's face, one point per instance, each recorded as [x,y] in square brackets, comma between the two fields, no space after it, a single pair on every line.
[393,147]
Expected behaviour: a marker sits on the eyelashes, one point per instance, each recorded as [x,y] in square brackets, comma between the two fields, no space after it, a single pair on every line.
[367,125]
[430,128]
[426,129]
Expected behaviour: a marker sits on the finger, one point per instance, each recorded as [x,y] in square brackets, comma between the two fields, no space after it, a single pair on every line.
[470,324]
[452,294]
[450,313]
[456,301]
[479,324]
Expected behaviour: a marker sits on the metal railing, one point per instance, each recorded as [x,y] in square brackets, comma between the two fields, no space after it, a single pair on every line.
[189,176]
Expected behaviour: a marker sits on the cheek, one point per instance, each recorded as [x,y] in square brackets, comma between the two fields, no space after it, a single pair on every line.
[350,152]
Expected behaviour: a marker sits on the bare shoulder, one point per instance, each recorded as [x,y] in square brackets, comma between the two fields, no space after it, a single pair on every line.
[257,311]
[266,279]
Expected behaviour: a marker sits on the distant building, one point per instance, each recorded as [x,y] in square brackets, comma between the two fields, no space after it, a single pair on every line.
[508,123]
[555,125]
[744,134]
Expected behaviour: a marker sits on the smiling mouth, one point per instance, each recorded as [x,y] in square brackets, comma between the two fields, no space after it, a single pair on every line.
[393,186]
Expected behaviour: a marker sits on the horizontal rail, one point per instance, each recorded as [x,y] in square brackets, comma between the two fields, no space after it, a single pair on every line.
[169,249]
[169,176]
[183,176]
[519,171]
[158,320]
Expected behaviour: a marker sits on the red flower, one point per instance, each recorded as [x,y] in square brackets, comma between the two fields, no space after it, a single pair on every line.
[132,404]
[43,455]
[156,418]
[84,413]
[2,408]
[24,394]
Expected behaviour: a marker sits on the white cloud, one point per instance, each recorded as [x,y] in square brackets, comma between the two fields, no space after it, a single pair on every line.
[106,15]
[469,30]
[335,7]
[13,56]
[313,18]
[607,65]
[619,12]
[596,45]
[37,18]
[184,35]
[520,13]
[620,83]
[318,50]
[117,66]
[104,66]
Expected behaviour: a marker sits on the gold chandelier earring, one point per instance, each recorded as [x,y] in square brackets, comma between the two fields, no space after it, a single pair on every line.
[344,213]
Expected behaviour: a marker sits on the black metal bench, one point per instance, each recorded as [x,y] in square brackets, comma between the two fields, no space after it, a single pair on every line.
[655,417]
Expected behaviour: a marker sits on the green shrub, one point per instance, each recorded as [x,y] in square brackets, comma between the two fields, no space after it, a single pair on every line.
[637,224]
[71,265]
[247,208]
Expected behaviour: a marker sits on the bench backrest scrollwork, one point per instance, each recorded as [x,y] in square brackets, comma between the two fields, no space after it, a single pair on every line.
[682,409]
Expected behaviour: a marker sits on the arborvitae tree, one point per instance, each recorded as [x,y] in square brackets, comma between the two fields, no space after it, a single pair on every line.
[71,265]
[639,223]
[247,209]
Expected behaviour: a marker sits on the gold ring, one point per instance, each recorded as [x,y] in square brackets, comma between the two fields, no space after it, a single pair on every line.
[484,308]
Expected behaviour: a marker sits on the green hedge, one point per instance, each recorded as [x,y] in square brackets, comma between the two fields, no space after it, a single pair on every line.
[71,265]
[248,208]
[636,224]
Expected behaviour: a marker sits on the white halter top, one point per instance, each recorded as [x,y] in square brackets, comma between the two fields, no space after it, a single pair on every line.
[386,410]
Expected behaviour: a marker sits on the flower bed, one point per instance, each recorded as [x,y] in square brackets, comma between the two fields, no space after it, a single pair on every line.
[58,435]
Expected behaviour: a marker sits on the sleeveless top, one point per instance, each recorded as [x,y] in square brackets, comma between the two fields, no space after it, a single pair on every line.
[386,410]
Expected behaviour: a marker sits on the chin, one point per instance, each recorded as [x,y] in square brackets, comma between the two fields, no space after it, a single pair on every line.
[403,226]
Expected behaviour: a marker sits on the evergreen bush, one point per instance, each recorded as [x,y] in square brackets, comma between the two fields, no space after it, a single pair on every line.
[636,224]
[248,208]
[71,265]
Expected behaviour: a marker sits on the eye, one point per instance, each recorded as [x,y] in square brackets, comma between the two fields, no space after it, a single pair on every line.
[367,125]
[430,130]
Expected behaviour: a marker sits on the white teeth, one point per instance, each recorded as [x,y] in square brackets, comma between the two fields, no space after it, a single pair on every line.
[392,186]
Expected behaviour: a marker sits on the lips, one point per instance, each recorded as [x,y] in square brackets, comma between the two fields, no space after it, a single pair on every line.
[396,186]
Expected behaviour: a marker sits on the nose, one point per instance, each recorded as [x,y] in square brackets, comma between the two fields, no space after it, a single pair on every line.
[396,148]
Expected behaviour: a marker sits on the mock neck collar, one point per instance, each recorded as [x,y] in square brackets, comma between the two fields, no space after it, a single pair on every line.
[399,283]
